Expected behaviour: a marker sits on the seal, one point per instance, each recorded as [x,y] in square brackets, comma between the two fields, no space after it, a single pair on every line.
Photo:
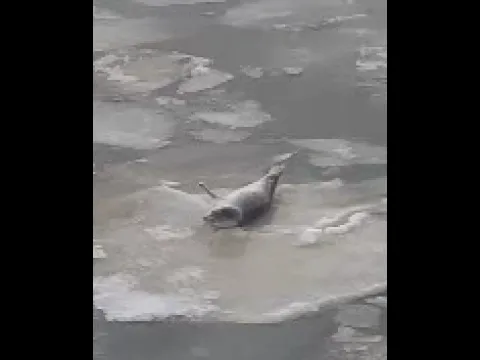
[247,203]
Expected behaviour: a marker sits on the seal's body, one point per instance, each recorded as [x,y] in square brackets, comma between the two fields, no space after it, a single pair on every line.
[246,203]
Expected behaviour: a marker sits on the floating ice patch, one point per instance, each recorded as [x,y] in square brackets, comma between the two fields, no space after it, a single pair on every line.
[337,152]
[155,71]
[374,51]
[342,217]
[128,126]
[177,2]
[169,100]
[287,27]
[245,115]
[202,76]
[253,72]
[337,225]
[171,184]
[359,32]
[380,301]
[344,334]
[220,136]
[297,308]
[371,64]
[324,23]
[116,297]
[309,236]
[353,221]
[147,70]
[136,73]
[207,79]
[243,276]
[98,252]
[105,62]
[290,311]
[293,70]
[335,21]
[333,184]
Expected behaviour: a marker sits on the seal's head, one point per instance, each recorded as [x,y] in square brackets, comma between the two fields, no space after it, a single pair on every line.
[224,217]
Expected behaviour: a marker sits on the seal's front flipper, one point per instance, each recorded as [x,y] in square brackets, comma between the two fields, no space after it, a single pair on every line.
[208,191]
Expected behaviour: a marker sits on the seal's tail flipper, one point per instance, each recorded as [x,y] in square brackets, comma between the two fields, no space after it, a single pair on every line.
[281,159]
[275,171]
[208,191]
[279,163]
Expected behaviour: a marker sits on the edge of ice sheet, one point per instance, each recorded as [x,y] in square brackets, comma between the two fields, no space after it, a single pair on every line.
[298,309]
[116,298]
[331,226]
